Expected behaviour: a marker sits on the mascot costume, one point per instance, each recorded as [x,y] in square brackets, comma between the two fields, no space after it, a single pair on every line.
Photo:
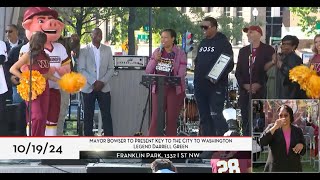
[45,19]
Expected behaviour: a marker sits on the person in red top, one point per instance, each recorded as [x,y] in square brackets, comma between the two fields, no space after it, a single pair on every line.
[231,162]
[40,62]
[170,61]
[315,60]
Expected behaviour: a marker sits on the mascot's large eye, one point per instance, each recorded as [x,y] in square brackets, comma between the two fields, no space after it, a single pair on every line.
[40,21]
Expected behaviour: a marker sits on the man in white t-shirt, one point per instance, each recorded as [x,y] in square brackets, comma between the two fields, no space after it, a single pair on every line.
[45,19]
[3,90]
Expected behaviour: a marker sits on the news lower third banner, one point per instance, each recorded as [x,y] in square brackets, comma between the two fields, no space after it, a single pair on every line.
[117,147]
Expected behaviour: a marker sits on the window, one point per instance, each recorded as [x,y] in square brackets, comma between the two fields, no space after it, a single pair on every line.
[268,11]
[209,9]
[239,11]
[281,11]
[273,24]
[183,9]
[226,11]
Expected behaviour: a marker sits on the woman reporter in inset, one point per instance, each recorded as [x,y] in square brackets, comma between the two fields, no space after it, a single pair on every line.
[168,60]
[286,143]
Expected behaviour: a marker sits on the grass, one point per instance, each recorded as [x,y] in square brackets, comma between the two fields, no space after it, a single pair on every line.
[306,166]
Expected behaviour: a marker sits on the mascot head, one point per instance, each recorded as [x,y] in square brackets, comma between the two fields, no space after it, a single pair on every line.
[42,19]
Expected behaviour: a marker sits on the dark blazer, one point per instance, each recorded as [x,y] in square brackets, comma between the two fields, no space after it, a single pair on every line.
[263,55]
[278,159]
[13,57]
[291,89]
[9,47]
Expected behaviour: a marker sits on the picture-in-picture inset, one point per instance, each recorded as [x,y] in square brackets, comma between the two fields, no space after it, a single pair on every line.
[285,135]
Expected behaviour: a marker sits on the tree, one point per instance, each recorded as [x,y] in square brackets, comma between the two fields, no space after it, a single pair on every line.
[131,37]
[237,25]
[162,18]
[224,25]
[307,18]
[82,20]
[231,27]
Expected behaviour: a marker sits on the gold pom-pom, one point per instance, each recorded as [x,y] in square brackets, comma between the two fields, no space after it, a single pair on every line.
[313,86]
[72,82]
[301,75]
[308,80]
[38,85]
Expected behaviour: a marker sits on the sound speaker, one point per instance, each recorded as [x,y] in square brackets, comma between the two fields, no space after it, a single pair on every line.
[16,118]
[128,98]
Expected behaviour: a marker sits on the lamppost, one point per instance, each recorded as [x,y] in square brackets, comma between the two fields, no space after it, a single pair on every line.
[255,13]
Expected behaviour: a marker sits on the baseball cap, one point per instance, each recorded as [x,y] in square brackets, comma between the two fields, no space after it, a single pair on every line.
[32,11]
[253,28]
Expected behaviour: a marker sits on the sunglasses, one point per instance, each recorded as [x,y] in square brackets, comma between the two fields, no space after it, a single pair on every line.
[204,27]
[284,115]
[9,31]
[286,44]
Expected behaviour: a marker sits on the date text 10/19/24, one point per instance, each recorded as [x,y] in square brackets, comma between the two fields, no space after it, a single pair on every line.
[37,148]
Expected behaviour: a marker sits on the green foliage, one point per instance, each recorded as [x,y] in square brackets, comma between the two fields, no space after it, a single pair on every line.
[308,18]
[82,20]
[162,18]
[231,26]
[156,38]
[237,26]
[224,25]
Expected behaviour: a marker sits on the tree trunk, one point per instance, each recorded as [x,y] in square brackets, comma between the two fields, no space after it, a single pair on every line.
[79,23]
[78,29]
[131,38]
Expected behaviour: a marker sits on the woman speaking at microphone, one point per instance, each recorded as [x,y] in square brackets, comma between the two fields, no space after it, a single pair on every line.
[168,60]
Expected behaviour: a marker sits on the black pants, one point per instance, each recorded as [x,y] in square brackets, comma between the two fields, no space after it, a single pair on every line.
[3,120]
[104,100]
[210,104]
[9,94]
[245,107]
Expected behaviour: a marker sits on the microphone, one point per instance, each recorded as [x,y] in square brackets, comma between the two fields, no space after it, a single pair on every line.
[161,48]
[276,48]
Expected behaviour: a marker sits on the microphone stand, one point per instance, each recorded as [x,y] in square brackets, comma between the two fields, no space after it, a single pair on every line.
[250,92]
[30,94]
[276,73]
